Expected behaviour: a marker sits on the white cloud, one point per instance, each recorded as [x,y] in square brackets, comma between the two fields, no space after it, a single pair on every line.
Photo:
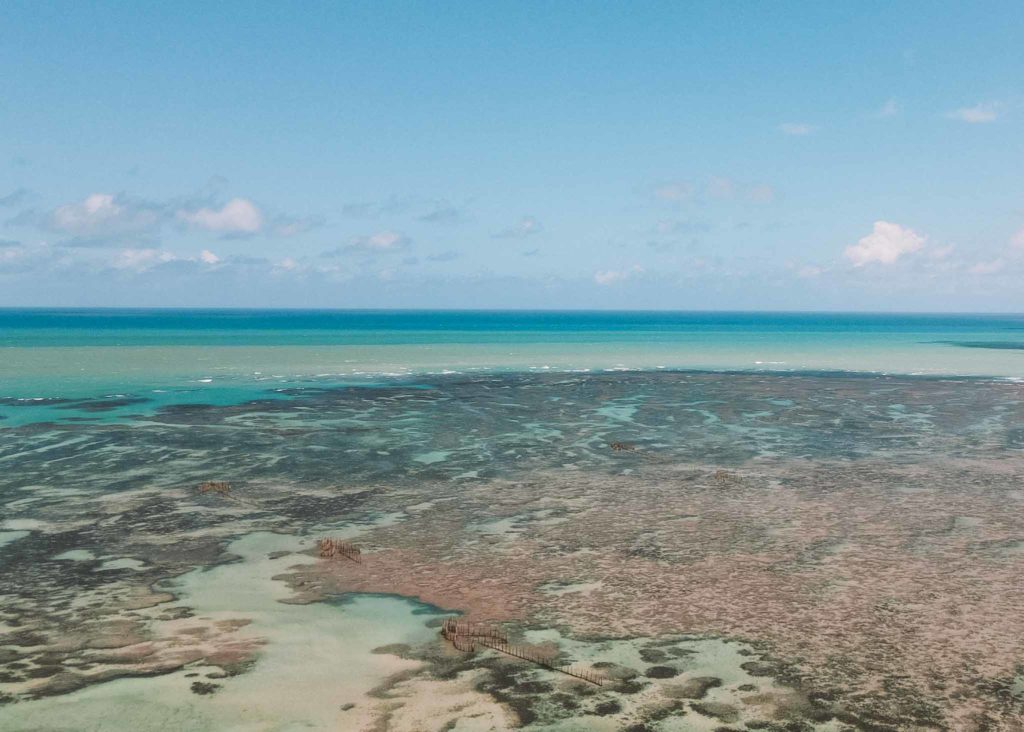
[809,271]
[797,128]
[987,268]
[381,243]
[106,219]
[104,214]
[526,226]
[237,216]
[386,240]
[610,277]
[978,114]
[142,260]
[93,211]
[886,243]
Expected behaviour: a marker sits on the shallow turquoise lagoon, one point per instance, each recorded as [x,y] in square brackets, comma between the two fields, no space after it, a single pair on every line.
[132,362]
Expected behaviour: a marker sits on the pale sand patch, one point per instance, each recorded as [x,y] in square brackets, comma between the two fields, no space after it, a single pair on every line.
[314,658]
[22,524]
[75,555]
[6,537]
[121,563]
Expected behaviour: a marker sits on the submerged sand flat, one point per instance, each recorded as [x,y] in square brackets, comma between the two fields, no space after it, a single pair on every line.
[756,552]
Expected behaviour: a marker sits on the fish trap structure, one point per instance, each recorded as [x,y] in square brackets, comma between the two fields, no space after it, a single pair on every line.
[331,548]
[215,486]
[466,636]
[223,489]
[634,450]
[725,477]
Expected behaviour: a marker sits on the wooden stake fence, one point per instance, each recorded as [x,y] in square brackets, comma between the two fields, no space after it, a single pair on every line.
[223,489]
[630,447]
[465,636]
[215,486]
[330,548]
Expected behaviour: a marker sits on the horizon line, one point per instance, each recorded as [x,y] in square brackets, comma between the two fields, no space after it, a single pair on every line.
[724,311]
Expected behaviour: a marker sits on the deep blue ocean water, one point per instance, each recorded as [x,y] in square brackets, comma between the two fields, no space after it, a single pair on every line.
[138,327]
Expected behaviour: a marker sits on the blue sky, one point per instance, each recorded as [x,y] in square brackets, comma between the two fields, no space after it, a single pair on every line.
[810,156]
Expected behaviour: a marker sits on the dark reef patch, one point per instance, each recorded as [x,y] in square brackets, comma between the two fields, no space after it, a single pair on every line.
[994,345]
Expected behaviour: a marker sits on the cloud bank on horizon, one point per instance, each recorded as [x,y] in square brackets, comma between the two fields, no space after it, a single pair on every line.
[643,156]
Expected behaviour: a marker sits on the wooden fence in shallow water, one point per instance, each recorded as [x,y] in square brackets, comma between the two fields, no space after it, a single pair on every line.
[466,636]
[330,548]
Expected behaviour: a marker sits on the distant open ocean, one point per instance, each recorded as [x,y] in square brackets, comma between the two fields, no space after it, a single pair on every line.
[230,356]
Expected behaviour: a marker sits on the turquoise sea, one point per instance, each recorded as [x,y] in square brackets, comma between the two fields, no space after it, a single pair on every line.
[163,357]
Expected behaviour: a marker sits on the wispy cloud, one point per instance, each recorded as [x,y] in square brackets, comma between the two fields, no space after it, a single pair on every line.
[383,241]
[14,198]
[891,108]
[761,193]
[447,256]
[978,114]
[16,258]
[526,226]
[613,276]
[286,226]
[809,271]
[987,268]
[237,217]
[798,128]
[886,243]
[387,241]
[140,260]
[375,209]
[720,187]
[716,188]
[117,219]
[686,226]
[441,213]
[674,191]
[98,220]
